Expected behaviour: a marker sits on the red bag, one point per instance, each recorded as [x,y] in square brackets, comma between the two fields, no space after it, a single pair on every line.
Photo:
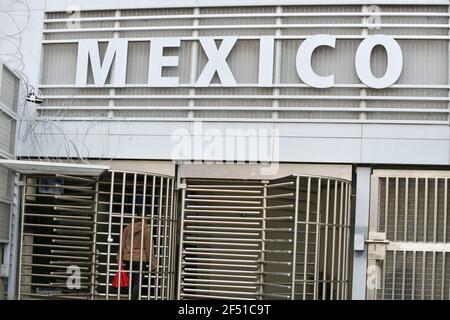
[123,279]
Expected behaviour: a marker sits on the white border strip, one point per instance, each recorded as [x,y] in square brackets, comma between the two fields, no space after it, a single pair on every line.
[59,5]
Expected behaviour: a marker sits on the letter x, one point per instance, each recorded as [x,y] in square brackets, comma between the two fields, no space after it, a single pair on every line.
[217,61]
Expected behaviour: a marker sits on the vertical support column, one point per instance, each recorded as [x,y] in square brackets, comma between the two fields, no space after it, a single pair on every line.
[194,62]
[361,232]
[12,249]
[277,67]
[294,242]
[363,91]
[262,258]
[180,253]
[94,243]
[112,91]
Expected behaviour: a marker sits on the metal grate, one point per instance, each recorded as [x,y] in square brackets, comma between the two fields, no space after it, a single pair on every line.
[57,237]
[78,222]
[221,239]
[306,238]
[127,199]
[411,211]
[283,239]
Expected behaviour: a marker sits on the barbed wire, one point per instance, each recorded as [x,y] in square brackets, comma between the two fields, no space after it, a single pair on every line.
[37,131]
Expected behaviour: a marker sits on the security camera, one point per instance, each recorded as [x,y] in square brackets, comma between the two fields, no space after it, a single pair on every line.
[33,98]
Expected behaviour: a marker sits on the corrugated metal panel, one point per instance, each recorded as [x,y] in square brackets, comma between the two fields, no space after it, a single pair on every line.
[7,129]
[9,89]
[5,189]
[4,222]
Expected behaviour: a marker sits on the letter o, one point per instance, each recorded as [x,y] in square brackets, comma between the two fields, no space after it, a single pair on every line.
[394,61]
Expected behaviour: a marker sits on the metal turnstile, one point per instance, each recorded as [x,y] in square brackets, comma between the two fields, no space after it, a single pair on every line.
[118,207]
[57,249]
[72,228]
[283,239]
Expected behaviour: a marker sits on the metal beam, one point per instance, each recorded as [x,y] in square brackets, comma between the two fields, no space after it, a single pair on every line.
[361,232]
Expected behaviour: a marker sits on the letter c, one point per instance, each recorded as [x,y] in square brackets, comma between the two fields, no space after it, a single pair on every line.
[303,61]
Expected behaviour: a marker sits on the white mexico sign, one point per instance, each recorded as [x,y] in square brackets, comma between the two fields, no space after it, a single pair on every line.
[117,50]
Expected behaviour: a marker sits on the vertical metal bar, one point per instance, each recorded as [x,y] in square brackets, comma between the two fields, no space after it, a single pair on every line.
[373,213]
[143,230]
[444,238]
[386,210]
[340,261]
[325,254]
[394,267]
[425,207]
[180,251]
[394,264]
[316,262]
[122,210]
[152,217]
[433,272]
[94,243]
[423,274]
[348,224]
[333,249]
[171,239]
[345,243]
[396,210]
[158,246]
[165,272]
[175,234]
[294,248]
[133,211]
[435,209]
[176,239]
[386,206]
[416,204]
[109,240]
[413,291]
[263,244]
[22,222]
[305,262]
[425,234]
[416,197]
[405,232]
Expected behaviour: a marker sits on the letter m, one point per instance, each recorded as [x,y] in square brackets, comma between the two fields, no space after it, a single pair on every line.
[88,50]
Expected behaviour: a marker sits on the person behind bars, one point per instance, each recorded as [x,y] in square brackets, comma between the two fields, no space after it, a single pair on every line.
[135,245]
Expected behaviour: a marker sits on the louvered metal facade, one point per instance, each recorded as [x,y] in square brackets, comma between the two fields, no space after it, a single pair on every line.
[9,95]
[419,96]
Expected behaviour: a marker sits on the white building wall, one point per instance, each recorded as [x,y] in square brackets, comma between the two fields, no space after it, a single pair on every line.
[413,130]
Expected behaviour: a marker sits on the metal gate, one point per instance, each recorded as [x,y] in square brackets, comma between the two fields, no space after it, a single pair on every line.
[409,233]
[221,239]
[72,231]
[283,239]
[57,237]
[135,199]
